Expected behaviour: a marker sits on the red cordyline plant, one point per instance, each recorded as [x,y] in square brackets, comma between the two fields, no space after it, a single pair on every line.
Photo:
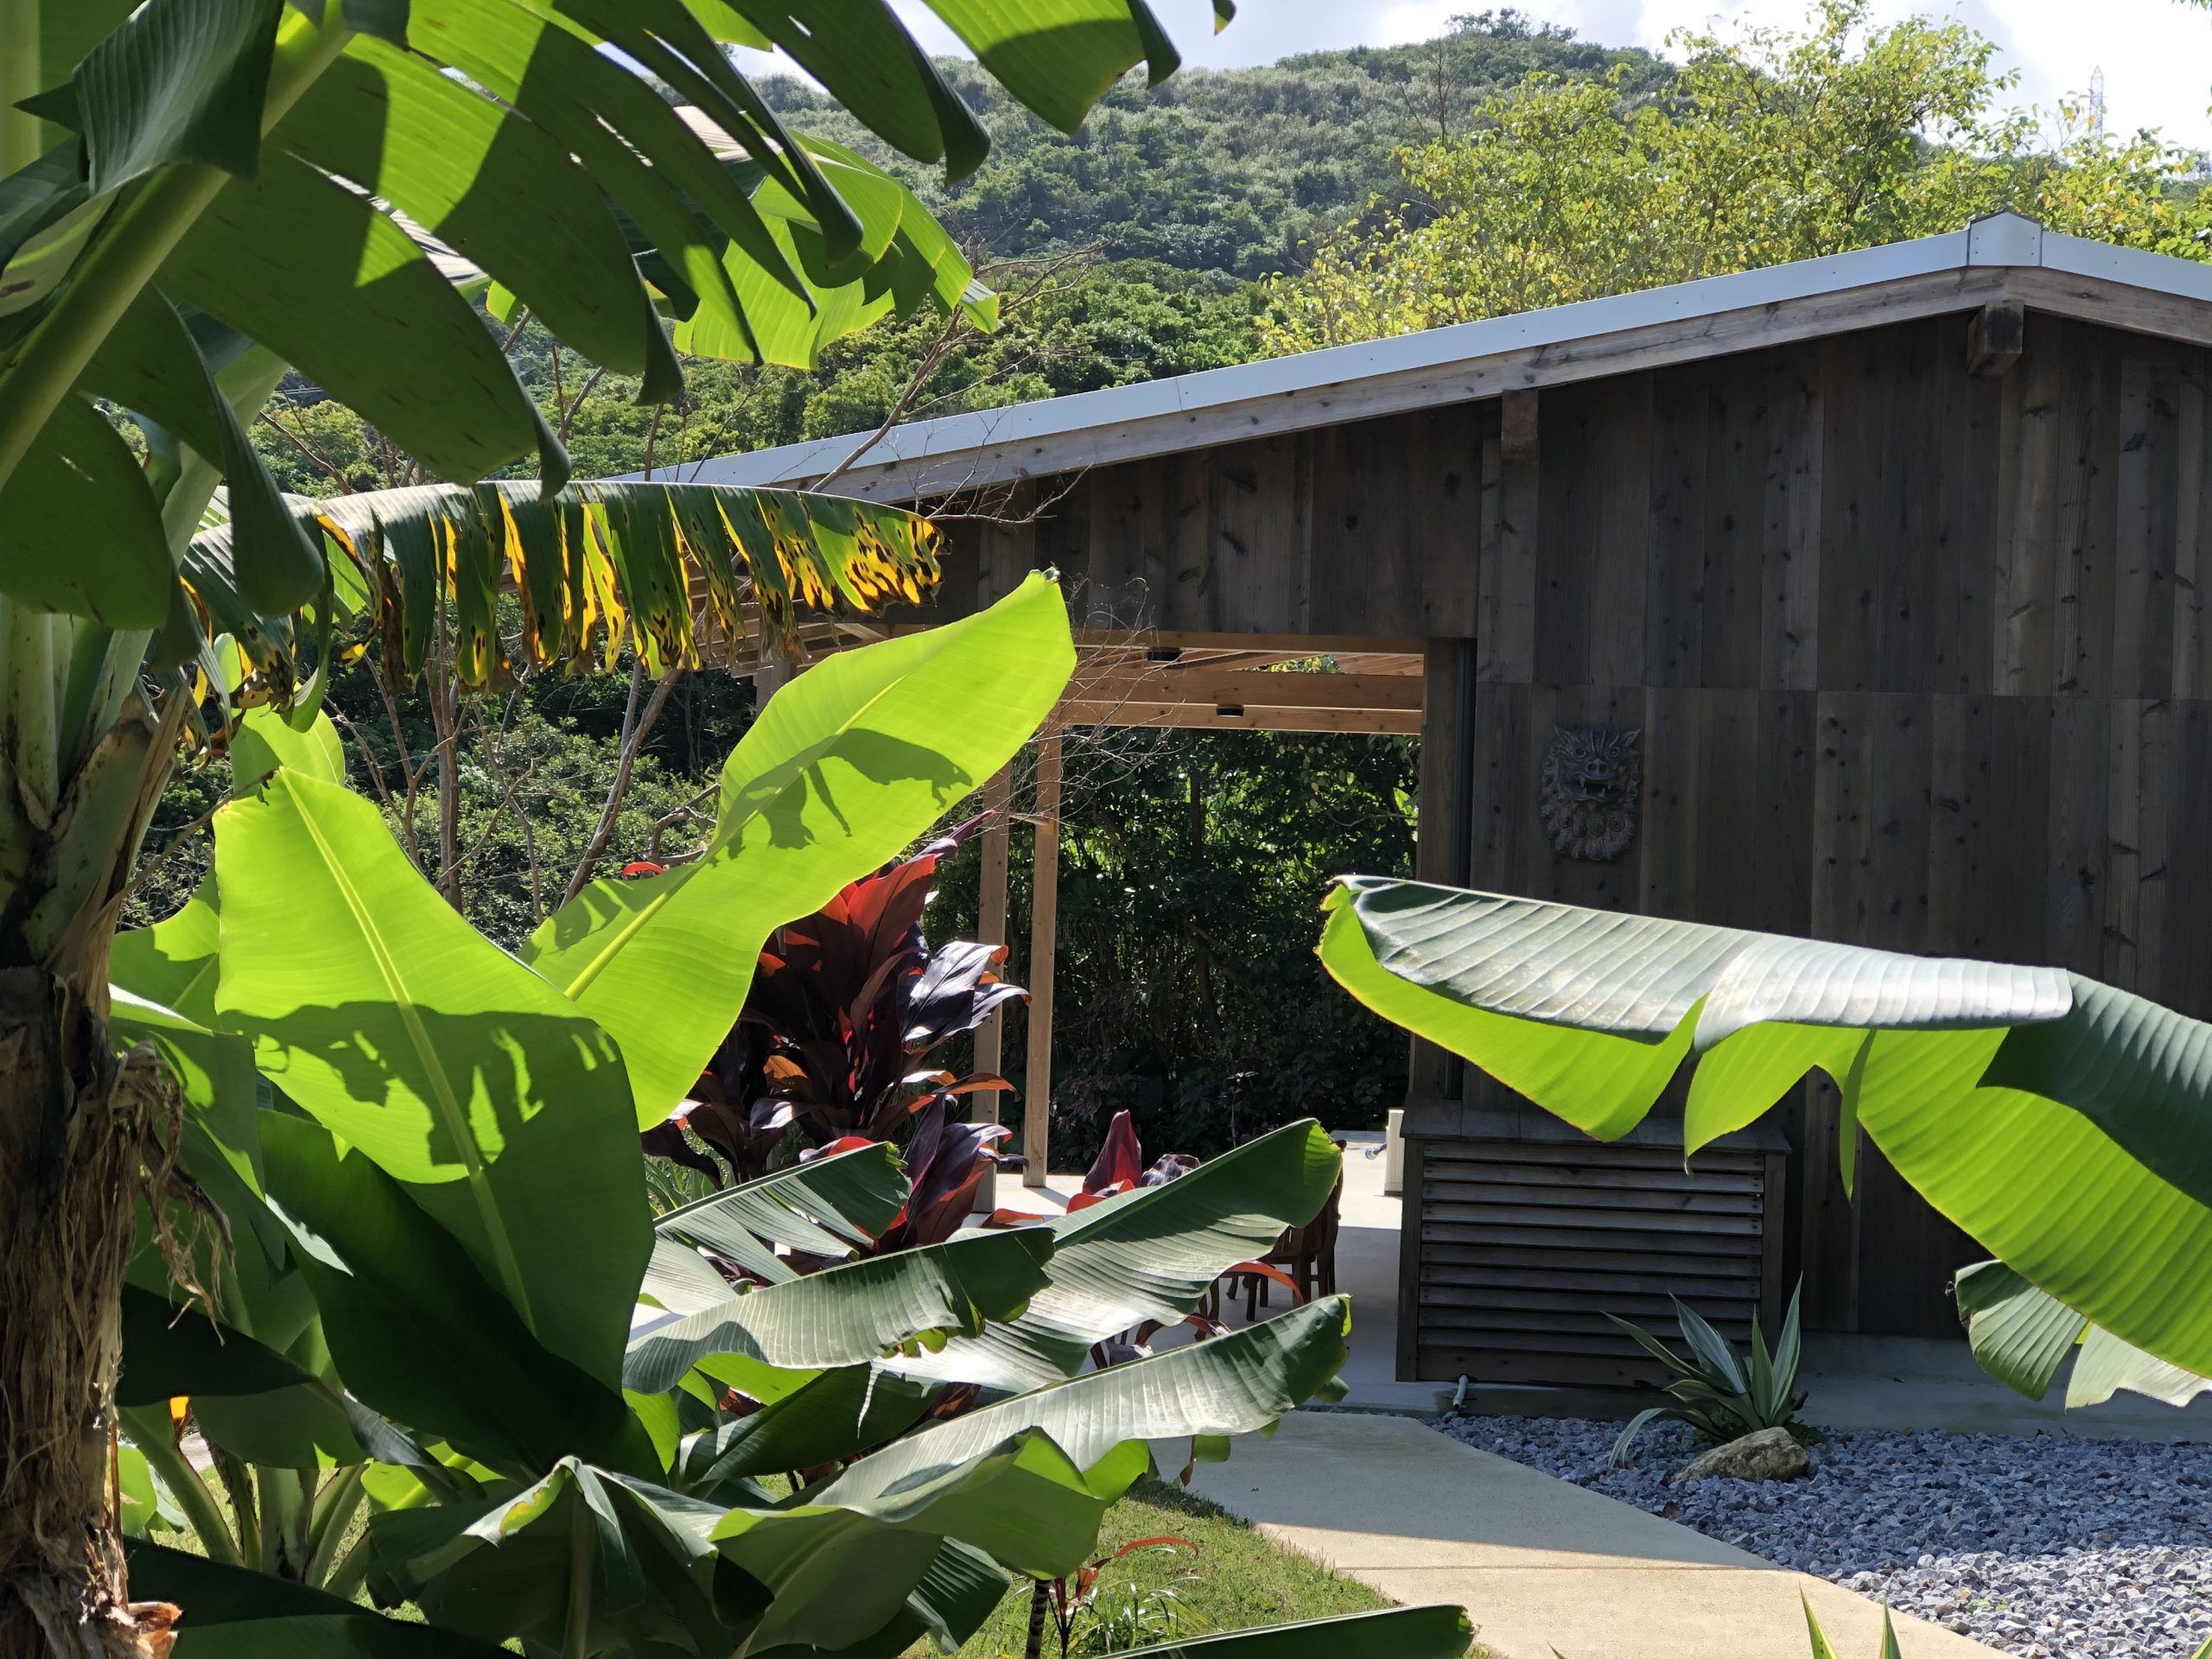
[830,1050]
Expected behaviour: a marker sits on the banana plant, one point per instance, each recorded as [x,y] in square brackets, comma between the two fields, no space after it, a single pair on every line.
[2064,1123]
[564,1427]
[196,194]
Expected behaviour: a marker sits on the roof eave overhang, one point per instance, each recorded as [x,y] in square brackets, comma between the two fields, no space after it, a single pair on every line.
[2003,258]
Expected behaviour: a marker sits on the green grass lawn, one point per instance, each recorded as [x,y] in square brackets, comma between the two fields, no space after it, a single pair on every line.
[1235,1580]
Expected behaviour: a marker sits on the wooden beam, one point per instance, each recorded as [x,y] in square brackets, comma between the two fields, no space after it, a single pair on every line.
[1995,335]
[1252,717]
[1301,644]
[1210,687]
[1044,923]
[1517,413]
[990,929]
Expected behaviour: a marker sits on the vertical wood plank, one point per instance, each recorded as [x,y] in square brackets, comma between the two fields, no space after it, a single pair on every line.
[2154,479]
[2184,964]
[1044,937]
[1949,839]
[2075,835]
[1731,590]
[1621,485]
[1791,559]
[1969,429]
[1855,416]
[2121,874]
[1260,551]
[1673,627]
[2086,516]
[2191,671]
[1444,529]
[1506,642]
[1782,826]
[1911,442]
[1567,533]
[1727,782]
[2154,846]
[2023,588]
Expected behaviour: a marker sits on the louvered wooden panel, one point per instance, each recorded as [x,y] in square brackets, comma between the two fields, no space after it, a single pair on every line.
[1527,1240]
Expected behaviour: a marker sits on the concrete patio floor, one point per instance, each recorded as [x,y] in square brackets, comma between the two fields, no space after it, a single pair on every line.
[1541,1567]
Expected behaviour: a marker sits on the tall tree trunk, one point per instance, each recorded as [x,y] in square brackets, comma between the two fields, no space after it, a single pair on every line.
[72,1147]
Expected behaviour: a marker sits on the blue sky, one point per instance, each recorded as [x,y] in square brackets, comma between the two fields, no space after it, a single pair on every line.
[2156,54]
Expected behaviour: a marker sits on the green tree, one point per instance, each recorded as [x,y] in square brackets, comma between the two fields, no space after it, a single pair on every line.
[1767,146]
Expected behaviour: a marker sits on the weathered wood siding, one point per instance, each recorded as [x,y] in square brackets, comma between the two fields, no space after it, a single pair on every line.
[1921,660]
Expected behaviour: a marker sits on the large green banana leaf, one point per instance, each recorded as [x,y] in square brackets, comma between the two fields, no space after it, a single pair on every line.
[826,1207]
[846,766]
[1025,1483]
[240,1614]
[1227,1385]
[1145,1256]
[1435,1632]
[290,162]
[849,1315]
[2066,1125]
[435,1055]
[2022,1336]
[702,1579]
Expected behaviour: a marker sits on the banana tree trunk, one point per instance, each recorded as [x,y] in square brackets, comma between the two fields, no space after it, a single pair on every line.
[73,1142]
[82,760]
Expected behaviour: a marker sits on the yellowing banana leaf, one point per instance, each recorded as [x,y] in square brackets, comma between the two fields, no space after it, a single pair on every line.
[596,568]
[2060,1122]
[845,766]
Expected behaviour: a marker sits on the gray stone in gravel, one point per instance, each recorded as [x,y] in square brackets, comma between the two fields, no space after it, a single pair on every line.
[1763,1454]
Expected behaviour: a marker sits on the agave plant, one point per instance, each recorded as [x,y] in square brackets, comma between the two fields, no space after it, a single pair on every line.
[1822,1649]
[1718,1391]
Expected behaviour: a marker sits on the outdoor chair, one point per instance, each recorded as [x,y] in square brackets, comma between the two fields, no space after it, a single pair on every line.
[1307,1254]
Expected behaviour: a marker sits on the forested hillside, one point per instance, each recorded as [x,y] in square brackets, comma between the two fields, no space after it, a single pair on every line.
[1224,174]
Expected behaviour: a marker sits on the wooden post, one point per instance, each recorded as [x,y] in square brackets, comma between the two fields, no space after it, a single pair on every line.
[990,928]
[1044,921]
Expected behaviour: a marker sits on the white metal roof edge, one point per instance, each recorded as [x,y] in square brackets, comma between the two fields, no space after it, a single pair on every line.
[2005,240]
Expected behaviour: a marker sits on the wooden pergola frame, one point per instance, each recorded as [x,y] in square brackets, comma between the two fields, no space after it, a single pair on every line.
[1181,680]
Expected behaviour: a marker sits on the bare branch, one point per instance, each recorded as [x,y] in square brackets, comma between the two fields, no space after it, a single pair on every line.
[309,451]
[634,734]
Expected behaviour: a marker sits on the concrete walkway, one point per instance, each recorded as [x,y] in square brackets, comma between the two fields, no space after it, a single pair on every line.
[1541,1566]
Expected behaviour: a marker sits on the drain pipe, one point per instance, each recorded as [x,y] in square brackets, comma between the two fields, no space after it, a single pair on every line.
[1459,1395]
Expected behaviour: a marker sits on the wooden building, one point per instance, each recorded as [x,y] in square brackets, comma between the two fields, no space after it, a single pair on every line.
[1897,561]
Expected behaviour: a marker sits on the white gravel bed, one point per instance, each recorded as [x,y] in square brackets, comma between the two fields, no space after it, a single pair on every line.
[2048,1548]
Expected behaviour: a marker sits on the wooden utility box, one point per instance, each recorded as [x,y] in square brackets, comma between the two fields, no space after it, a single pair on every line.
[1523,1233]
